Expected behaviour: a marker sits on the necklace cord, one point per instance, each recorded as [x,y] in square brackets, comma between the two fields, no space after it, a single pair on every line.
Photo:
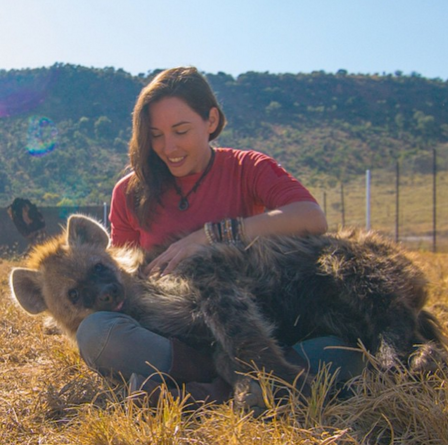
[183,203]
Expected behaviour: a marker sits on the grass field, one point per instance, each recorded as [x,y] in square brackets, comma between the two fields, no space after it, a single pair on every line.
[48,396]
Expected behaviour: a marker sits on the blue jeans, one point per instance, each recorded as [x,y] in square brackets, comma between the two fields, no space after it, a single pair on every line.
[332,352]
[114,343]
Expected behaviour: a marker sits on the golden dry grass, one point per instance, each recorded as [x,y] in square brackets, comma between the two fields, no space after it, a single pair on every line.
[48,396]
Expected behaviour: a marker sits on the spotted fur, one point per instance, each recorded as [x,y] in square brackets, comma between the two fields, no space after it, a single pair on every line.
[246,304]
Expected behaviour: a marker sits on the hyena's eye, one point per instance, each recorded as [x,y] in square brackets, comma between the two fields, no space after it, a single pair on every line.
[73,295]
[99,267]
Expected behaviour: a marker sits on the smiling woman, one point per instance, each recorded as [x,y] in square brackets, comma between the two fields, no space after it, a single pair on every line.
[181,185]
[183,188]
[180,137]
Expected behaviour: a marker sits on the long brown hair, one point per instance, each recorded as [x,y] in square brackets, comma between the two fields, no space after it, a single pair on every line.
[152,177]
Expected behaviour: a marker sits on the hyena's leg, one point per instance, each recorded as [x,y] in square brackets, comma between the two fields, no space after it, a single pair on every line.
[244,335]
[431,354]
[418,355]
[403,342]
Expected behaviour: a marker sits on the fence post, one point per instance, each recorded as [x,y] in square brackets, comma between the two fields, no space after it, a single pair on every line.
[324,202]
[397,202]
[368,225]
[434,200]
[105,215]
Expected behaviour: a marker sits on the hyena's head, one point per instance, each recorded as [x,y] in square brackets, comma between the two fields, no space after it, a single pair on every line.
[71,276]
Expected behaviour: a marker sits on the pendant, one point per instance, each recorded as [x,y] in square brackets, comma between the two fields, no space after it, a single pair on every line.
[183,204]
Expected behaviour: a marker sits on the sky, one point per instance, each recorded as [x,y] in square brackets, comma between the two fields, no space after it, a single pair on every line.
[232,36]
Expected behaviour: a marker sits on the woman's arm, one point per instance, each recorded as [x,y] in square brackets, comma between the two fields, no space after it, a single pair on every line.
[121,230]
[298,218]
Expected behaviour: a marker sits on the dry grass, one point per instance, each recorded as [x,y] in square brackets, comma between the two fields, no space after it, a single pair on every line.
[48,396]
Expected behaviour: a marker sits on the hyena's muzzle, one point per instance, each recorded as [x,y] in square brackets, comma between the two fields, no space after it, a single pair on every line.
[99,291]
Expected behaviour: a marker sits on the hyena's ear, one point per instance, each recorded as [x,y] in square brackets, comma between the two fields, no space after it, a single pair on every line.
[84,230]
[25,287]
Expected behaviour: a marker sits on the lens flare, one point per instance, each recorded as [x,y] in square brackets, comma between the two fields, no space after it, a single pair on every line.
[42,136]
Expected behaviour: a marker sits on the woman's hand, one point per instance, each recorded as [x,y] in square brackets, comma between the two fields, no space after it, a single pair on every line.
[178,251]
[298,218]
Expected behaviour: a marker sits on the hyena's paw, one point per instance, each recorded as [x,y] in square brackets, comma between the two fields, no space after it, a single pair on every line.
[427,358]
[248,396]
[50,327]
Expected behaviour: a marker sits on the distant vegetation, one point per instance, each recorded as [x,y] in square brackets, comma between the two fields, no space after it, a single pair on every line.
[64,130]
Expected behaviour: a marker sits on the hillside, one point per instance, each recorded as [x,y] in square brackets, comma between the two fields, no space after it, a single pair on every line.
[64,129]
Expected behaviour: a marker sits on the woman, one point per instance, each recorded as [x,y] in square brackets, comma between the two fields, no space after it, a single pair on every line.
[181,185]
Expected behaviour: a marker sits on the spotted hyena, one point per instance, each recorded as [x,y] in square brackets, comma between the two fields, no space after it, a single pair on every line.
[246,304]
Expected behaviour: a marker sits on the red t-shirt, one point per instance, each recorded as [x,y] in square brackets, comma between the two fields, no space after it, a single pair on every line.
[240,183]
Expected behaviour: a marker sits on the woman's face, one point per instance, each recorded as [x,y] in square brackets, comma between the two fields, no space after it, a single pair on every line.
[180,136]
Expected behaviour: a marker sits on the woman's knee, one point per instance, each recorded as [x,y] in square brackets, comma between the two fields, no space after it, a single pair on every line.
[95,332]
[116,344]
[333,352]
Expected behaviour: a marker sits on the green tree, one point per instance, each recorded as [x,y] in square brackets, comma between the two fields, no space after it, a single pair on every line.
[103,128]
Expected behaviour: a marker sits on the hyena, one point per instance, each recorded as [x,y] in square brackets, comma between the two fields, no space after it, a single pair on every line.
[245,303]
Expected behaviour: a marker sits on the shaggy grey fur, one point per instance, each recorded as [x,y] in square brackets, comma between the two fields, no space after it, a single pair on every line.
[245,304]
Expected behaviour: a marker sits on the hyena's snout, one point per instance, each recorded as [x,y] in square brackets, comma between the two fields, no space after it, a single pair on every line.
[110,297]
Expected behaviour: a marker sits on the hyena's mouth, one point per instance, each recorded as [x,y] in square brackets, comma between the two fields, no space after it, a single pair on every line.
[119,306]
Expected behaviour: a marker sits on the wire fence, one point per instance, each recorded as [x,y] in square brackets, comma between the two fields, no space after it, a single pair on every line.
[408,202]
[12,243]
